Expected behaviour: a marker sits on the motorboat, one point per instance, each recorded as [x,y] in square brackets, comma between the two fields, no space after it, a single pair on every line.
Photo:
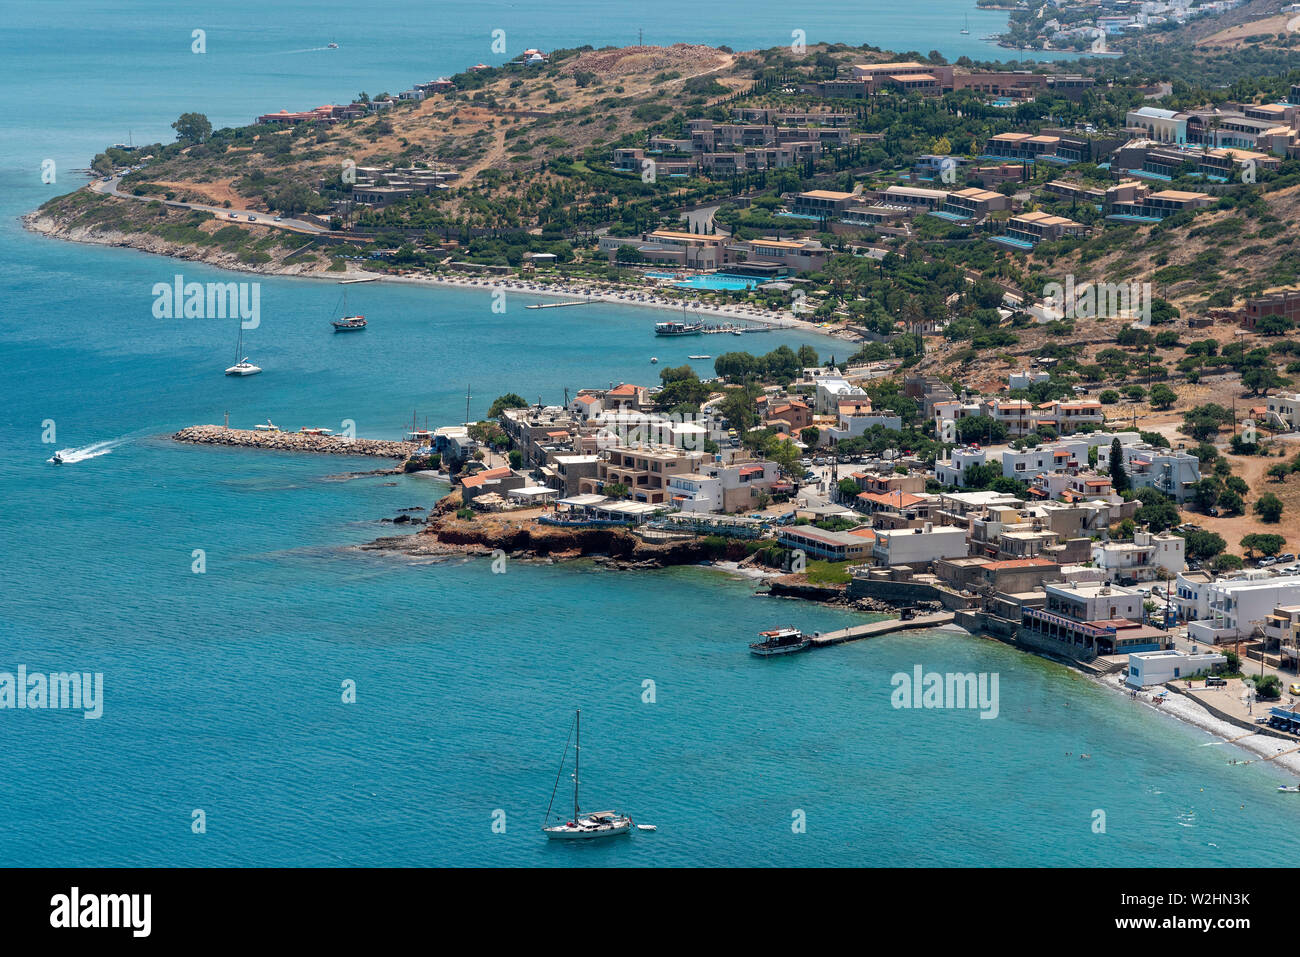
[780,641]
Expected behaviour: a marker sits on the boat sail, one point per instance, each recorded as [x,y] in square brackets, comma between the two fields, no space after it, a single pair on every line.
[348,323]
[589,825]
[242,366]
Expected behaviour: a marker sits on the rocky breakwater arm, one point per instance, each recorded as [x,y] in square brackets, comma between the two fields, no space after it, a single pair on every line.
[294,442]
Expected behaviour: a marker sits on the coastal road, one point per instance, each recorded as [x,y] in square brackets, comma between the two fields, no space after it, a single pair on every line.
[109,188]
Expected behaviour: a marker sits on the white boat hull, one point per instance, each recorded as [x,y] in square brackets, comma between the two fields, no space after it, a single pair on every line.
[243,369]
[779,650]
[563,832]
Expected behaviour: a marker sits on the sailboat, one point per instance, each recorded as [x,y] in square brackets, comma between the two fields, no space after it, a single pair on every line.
[349,323]
[966,27]
[589,825]
[242,366]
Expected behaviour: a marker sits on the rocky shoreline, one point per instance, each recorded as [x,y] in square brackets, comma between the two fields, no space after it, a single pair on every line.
[294,442]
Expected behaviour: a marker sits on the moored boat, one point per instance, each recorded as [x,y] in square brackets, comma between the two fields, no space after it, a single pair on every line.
[588,825]
[780,641]
[677,327]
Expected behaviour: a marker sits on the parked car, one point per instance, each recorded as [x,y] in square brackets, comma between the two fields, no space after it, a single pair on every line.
[1288,557]
[1293,689]
[1265,562]
[252,219]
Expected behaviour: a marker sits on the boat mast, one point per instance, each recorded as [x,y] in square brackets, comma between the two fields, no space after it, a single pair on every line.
[577,760]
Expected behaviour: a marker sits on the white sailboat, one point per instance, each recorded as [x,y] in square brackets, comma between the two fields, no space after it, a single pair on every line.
[242,366]
[591,824]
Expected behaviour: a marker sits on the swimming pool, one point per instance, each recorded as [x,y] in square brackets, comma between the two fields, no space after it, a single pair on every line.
[951,217]
[716,280]
[1011,241]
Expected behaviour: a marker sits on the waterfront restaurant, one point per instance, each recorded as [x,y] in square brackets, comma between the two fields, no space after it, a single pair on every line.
[820,543]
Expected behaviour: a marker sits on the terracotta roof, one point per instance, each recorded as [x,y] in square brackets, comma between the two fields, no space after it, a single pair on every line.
[474,481]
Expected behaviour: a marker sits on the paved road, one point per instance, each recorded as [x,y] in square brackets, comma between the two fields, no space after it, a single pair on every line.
[242,215]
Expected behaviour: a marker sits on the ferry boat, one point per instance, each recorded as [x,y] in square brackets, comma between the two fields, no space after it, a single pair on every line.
[591,824]
[780,641]
[678,327]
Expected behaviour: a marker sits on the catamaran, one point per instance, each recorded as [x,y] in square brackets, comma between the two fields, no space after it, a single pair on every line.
[591,824]
[242,366]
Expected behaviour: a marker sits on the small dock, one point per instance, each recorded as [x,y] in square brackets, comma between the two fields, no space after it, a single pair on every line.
[560,305]
[877,628]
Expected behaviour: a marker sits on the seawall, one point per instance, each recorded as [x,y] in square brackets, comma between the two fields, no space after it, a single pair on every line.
[294,442]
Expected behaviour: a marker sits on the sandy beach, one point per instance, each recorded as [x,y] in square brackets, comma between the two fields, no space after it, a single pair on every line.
[626,296]
[1181,708]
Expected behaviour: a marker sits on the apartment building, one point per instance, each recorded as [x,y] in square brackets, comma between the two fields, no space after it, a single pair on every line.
[644,471]
[918,547]
[822,203]
[975,203]
[1236,607]
[1141,560]
[1137,199]
[1171,471]
[1038,226]
[722,488]
[1056,457]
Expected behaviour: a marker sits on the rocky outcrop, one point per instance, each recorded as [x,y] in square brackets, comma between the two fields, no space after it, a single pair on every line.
[447,534]
[294,442]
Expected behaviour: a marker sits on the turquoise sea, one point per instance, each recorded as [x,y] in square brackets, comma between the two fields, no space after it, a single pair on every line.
[223,689]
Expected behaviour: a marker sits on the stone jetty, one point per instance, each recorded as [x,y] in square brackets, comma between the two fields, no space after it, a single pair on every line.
[294,442]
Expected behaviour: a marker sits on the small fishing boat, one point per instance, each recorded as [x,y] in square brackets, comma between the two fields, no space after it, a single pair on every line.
[589,825]
[780,641]
[57,458]
[1289,788]
[654,360]
[332,45]
[697,358]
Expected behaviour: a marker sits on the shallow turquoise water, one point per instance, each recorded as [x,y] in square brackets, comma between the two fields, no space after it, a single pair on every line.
[223,689]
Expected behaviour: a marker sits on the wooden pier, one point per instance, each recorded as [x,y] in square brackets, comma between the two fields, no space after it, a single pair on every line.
[877,628]
[560,305]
